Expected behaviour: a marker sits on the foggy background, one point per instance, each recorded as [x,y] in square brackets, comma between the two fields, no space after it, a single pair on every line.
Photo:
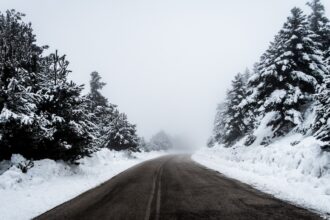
[166,63]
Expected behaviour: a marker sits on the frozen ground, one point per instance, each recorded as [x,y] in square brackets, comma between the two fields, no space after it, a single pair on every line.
[293,169]
[50,183]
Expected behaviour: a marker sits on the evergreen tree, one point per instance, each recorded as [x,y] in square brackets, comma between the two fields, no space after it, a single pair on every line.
[327,59]
[289,74]
[65,126]
[102,112]
[231,123]
[160,141]
[321,124]
[122,135]
[218,125]
[113,129]
[20,61]
[97,99]
[320,25]
[143,144]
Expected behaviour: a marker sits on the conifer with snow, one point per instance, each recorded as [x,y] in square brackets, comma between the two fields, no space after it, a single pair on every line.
[122,135]
[160,141]
[218,124]
[231,119]
[20,61]
[101,111]
[64,123]
[113,129]
[289,74]
[321,125]
[320,25]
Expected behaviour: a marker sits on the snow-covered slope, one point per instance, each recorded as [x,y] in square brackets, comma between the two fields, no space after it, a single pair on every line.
[49,183]
[293,168]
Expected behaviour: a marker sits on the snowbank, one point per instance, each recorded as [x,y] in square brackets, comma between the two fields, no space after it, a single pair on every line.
[293,169]
[49,183]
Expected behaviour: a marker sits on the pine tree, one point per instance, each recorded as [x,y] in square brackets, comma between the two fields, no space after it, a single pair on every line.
[20,61]
[231,119]
[160,141]
[218,125]
[327,59]
[321,125]
[289,74]
[65,127]
[122,135]
[97,99]
[143,144]
[102,112]
[320,25]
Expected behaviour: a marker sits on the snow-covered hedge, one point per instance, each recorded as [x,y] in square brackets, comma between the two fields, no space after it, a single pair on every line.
[293,168]
[49,183]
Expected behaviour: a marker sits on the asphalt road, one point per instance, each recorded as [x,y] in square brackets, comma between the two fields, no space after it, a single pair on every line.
[174,187]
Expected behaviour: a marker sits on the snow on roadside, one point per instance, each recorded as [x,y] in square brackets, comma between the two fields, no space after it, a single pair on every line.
[50,183]
[293,169]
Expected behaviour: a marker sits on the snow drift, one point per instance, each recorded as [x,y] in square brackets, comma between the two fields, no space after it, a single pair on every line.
[293,168]
[49,183]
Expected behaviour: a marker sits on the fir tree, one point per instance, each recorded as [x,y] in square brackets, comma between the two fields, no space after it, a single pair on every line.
[122,135]
[65,126]
[102,112]
[218,125]
[97,99]
[321,125]
[160,141]
[230,122]
[20,61]
[289,74]
[143,144]
[320,25]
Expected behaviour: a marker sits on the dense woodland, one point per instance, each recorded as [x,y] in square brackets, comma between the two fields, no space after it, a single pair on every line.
[42,113]
[288,89]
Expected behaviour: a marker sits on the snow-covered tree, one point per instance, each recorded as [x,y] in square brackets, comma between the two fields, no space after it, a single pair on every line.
[20,60]
[289,74]
[122,135]
[101,111]
[320,25]
[65,126]
[233,119]
[230,122]
[96,85]
[160,141]
[219,122]
[327,58]
[113,129]
[143,144]
[321,126]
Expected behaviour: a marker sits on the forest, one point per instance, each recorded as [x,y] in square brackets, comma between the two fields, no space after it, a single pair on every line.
[43,114]
[288,89]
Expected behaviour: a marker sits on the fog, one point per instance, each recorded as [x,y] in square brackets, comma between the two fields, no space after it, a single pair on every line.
[166,63]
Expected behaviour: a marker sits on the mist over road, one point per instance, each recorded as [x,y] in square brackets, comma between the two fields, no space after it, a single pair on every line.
[174,187]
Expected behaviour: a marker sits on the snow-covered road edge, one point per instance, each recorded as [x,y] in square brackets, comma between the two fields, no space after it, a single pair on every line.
[298,174]
[50,183]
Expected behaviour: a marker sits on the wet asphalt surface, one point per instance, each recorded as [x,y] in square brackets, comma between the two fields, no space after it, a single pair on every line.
[175,187]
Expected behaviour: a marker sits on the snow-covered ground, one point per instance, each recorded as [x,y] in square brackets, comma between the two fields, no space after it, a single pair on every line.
[293,169]
[50,183]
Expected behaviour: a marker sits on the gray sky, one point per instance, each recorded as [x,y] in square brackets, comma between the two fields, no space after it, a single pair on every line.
[167,63]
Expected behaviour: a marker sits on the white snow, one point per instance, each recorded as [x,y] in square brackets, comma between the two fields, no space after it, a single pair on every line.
[293,168]
[50,183]
[263,131]
[277,96]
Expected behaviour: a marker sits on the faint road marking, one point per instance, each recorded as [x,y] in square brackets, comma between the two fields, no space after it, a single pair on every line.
[159,193]
[151,197]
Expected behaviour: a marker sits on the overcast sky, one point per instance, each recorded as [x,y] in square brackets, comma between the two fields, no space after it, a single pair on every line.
[167,63]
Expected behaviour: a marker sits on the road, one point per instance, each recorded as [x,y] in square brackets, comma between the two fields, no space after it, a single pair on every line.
[174,187]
